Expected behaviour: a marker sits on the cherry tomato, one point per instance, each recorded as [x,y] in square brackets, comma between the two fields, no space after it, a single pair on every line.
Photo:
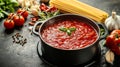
[9,24]
[52,9]
[23,12]
[43,7]
[19,20]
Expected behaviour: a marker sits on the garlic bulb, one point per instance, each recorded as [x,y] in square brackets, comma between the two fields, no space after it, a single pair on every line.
[113,22]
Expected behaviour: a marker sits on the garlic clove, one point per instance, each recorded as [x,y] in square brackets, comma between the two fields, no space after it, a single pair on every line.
[109,56]
[34,12]
[107,23]
[114,15]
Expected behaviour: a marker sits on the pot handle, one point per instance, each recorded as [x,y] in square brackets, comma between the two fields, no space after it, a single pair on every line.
[33,30]
[102,26]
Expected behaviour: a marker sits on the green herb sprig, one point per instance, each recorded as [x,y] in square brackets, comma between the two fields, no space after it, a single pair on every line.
[45,15]
[67,30]
[102,31]
[7,6]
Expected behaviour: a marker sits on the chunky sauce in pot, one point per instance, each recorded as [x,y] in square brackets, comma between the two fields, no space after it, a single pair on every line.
[83,35]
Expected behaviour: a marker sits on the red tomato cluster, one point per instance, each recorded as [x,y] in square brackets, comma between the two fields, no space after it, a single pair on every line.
[16,19]
[43,7]
[113,41]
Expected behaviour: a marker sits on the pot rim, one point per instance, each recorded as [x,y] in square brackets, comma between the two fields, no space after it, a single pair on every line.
[90,45]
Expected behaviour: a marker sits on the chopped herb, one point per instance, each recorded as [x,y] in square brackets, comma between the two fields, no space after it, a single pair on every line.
[63,29]
[69,32]
[72,29]
[102,31]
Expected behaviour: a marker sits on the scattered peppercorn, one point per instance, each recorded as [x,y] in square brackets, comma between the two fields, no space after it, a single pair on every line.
[19,39]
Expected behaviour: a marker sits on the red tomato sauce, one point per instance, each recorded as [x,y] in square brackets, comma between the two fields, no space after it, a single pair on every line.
[83,35]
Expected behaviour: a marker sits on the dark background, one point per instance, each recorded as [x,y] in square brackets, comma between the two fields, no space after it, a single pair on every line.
[15,55]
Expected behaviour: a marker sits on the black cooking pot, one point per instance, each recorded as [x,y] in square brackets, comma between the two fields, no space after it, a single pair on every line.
[68,57]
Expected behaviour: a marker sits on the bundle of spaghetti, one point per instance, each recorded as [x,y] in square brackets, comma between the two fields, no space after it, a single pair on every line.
[80,8]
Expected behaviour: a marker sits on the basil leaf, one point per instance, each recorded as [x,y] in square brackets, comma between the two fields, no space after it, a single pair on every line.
[72,29]
[63,29]
[69,32]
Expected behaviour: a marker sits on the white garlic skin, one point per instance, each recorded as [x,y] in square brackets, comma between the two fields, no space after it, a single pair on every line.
[35,10]
[110,57]
[113,22]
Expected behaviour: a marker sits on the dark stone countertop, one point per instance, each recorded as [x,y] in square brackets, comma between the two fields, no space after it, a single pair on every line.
[15,55]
